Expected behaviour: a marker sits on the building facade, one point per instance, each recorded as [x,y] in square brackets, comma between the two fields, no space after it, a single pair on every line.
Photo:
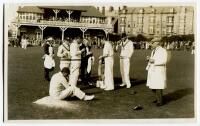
[38,21]
[157,21]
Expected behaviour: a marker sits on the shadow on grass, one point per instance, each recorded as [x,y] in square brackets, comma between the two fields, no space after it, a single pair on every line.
[77,99]
[177,95]
[117,82]
[133,81]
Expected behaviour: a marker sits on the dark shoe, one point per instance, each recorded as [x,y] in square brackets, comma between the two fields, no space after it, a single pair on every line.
[159,104]
[155,101]
[133,92]
[138,107]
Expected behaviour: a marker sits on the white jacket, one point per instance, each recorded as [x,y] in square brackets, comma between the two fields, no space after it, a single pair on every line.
[49,62]
[75,51]
[127,49]
[156,78]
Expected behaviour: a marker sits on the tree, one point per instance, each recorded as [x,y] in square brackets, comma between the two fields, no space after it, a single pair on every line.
[140,38]
[9,33]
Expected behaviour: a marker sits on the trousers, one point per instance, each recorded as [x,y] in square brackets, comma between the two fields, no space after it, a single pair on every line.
[70,91]
[64,64]
[158,93]
[74,72]
[46,73]
[124,69]
[109,80]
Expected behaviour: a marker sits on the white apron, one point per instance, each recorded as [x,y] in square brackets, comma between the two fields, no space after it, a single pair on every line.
[156,78]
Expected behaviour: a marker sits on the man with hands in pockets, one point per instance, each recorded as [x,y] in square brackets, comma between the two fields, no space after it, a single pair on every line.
[127,50]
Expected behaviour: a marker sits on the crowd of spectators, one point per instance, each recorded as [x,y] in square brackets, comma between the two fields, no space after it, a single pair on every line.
[97,43]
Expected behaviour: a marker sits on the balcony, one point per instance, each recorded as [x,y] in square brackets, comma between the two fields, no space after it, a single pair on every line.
[58,23]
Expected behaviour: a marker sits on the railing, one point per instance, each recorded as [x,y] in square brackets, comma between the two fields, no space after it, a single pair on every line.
[58,23]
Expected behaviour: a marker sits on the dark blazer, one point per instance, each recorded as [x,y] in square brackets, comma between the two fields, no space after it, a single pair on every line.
[46,48]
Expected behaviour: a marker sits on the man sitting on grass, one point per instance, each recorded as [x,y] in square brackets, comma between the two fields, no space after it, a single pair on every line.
[61,89]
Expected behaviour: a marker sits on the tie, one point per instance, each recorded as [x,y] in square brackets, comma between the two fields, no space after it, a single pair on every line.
[153,52]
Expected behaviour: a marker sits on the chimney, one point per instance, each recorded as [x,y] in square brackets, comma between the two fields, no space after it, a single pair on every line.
[103,10]
[111,8]
[124,7]
[119,9]
[19,8]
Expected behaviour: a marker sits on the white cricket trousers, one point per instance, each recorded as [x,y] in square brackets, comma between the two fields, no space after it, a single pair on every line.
[64,64]
[74,72]
[109,81]
[124,69]
[70,91]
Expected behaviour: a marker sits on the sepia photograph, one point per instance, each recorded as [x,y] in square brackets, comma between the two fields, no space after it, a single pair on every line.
[94,61]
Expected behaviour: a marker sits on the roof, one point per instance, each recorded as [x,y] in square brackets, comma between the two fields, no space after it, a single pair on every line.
[79,8]
[92,12]
[32,9]
[89,11]
[164,9]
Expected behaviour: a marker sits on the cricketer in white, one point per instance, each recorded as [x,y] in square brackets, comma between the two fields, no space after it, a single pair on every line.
[61,89]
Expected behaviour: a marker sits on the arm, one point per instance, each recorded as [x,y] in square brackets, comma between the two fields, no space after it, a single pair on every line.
[60,52]
[105,52]
[74,51]
[65,82]
[130,49]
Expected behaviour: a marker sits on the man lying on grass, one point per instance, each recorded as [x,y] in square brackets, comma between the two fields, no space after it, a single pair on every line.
[61,89]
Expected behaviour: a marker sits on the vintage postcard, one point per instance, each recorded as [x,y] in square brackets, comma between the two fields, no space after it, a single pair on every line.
[124,62]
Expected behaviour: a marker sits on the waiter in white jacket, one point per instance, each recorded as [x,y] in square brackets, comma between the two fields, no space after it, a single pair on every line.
[156,79]
[127,50]
[75,54]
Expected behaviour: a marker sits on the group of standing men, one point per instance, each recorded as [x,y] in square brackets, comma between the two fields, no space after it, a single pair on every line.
[71,60]
[127,50]
[156,67]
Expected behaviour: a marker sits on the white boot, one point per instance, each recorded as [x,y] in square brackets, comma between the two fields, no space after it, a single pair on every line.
[88,97]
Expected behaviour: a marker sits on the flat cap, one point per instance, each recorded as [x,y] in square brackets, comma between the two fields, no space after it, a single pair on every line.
[156,40]
[50,39]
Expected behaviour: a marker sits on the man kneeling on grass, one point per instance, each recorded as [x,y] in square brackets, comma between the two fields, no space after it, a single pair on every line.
[61,89]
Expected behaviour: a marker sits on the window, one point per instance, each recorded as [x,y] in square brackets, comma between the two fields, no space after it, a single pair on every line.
[169,29]
[140,20]
[140,30]
[172,10]
[134,24]
[141,11]
[129,24]
[152,10]
[170,19]
[123,19]
[152,19]
[151,30]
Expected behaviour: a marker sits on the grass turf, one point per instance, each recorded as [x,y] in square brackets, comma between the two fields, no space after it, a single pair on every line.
[26,84]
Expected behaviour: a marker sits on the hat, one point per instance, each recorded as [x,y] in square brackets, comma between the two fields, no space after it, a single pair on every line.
[50,39]
[124,35]
[156,40]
